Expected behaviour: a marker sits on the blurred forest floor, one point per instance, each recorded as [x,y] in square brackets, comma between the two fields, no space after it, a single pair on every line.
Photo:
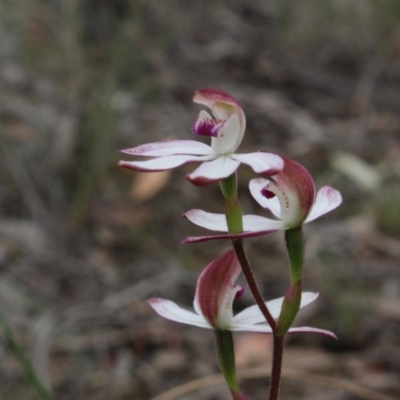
[84,243]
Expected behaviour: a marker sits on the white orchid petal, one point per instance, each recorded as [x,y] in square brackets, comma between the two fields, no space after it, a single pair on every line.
[253,315]
[217,222]
[256,185]
[169,148]
[255,223]
[307,298]
[211,221]
[229,136]
[213,171]
[327,200]
[260,162]
[170,310]
[307,329]
[162,163]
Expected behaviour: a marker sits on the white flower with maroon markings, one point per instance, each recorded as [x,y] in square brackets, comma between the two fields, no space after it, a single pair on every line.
[215,292]
[226,127]
[290,196]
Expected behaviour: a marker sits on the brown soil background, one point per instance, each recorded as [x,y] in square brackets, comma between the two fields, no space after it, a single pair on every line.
[84,243]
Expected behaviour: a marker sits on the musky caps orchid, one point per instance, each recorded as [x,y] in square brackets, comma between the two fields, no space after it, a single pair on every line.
[290,197]
[226,128]
[215,292]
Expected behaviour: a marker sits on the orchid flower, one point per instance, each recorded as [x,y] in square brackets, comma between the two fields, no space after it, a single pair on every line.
[290,196]
[215,292]
[226,127]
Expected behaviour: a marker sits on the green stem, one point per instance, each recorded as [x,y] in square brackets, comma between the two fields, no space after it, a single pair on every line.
[226,357]
[290,308]
[23,359]
[295,248]
[229,187]
[291,304]
[233,209]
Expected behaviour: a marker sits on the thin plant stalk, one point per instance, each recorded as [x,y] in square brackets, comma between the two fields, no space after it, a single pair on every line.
[251,282]
[234,217]
[24,361]
[277,339]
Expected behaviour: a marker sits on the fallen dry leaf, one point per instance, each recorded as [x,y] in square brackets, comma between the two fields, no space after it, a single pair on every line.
[146,186]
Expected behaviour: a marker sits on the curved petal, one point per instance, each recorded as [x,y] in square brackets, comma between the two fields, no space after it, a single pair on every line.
[253,315]
[216,290]
[211,221]
[213,171]
[327,200]
[260,162]
[224,108]
[217,222]
[229,136]
[254,223]
[162,163]
[294,187]
[256,186]
[169,148]
[308,329]
[208,96]
[200,239]
[170,310]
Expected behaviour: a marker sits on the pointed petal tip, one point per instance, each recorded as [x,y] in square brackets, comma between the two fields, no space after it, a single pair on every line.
[310,296]
[327,200]
[173,312]
[136,166]
[307,329]
[154,300]
[126,164]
